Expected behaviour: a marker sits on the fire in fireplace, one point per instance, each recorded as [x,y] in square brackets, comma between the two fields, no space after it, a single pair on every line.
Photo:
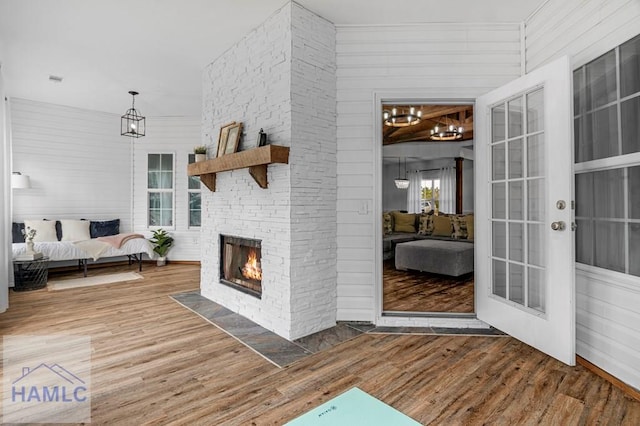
[240,264]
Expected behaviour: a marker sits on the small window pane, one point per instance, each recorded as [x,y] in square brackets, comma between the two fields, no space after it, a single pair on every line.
[535,111]
[609,248]
[153,180]
[194,209]
[634,193]
[516,159]
[608,188]
[499,201]
[578,91]
[535,200]
[601,80]
[166,180]
[516,241]
[498,161]
[601,132]
[499,232]
[154,162]
[499,278]
[535,242]
[535,155]
[630,67]
[516,283]
[630,120]
[584,195]
[536,289]
[166,161]
[634,248]
[497,123]
[516,112]
[516,200]
[584,241]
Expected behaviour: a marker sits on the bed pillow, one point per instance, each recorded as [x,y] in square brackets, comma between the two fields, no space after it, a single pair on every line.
[442,226]
[16,232]
[105,228]
[75,230]
[58,229]
[45,230]
[404,222]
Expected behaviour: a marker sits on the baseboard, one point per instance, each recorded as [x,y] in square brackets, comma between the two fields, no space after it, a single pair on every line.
[629,390]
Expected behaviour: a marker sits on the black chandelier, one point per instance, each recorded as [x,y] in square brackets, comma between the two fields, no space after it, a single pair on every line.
[132,122]
[446,132]
[401,117]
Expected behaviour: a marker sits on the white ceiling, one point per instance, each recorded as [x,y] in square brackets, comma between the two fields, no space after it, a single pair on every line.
[104,48]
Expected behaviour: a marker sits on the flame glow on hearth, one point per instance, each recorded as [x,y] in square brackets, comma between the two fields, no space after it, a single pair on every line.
[252,268]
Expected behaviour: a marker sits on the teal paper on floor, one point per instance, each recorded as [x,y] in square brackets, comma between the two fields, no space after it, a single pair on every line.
[354,408]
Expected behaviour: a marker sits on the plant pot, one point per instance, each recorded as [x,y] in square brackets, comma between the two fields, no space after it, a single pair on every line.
[161,261]
[201,157]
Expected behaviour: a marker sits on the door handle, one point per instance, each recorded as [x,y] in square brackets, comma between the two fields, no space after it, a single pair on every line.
[558,226]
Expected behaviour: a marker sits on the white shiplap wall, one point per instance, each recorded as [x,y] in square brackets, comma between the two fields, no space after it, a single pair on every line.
[77,161]
[177,136]
[6,267]
[426,62]
[608,303]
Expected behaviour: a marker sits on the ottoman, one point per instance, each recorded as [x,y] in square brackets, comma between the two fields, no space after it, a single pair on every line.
[452,258]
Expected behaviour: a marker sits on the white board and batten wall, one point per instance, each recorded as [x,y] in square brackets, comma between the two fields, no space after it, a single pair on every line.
[607,302]
[423,62]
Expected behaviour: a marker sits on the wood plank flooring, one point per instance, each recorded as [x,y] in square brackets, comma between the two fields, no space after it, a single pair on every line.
[414,291]
[154,362]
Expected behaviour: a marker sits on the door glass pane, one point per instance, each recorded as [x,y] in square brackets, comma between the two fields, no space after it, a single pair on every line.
[516,241]
[584,241]
[535,155]
[515,117]
[535,111]
[578,91]
[516,283]
[535,200]
[499,202]
[516,159]
[601,80]
[630,113]
[608,188]
[499,232]
[630,67]
[583,147]
[634,248]
[584,195]
[498,123]
[634,193]
[609,248]
[601,132]
[535,244]
[536,289]
[499,278]
[498,161]
[516,200]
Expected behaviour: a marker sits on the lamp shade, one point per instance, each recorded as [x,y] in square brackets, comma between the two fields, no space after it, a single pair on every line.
[20,181]
[402,183]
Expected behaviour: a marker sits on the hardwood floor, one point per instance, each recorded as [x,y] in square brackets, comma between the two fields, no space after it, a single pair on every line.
[414,291]
[155,362]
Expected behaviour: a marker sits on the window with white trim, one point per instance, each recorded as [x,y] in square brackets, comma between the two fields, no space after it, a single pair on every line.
[194,197]
[160,190]
[607,157]
[430,195]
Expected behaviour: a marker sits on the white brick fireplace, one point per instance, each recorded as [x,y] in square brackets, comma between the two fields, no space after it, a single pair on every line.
[281,77]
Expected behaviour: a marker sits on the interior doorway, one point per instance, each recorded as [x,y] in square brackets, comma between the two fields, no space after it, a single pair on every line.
[427,205]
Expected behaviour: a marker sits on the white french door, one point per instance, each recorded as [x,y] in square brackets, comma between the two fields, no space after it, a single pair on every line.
[524,245]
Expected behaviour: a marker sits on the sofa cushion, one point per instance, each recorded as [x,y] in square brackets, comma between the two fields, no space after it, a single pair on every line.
[104,228]
[45,230]
[16,232]
[75,230]
[425,224]
[404,222]
[387,223]
[442,226]
[459,223]
[470,227]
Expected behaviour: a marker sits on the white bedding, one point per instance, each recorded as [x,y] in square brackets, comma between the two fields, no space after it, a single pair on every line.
[67,250]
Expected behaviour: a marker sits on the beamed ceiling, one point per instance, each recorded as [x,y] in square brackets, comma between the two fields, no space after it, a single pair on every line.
[432,115]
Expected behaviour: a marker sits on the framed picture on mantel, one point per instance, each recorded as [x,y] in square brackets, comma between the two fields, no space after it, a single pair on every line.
[222,138]
[233,138]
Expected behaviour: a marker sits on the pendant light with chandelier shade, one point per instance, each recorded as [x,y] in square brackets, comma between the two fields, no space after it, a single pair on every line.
[401,117]
[402,183]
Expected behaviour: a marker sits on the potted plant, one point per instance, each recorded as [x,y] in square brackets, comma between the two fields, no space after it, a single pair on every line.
[201,153]
[162,242]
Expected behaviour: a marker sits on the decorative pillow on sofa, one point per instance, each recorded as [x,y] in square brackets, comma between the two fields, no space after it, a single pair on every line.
[470,232]
[425,224]
[387,223]
[442,226]
[404,222]
[105,228]
[75,230]
[16,232]
[459,227]
[45,230]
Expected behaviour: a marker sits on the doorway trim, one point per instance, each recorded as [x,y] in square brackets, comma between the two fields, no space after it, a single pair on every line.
[410,319]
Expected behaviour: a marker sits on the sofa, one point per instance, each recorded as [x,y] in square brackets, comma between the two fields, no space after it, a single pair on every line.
[80,240]
[429,242]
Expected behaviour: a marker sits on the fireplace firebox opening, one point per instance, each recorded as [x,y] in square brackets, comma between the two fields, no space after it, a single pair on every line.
[240,264]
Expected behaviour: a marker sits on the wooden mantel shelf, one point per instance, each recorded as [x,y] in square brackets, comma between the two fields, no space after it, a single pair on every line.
[256,159]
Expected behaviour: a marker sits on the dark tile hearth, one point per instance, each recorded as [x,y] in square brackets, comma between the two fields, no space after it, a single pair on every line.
[282,352]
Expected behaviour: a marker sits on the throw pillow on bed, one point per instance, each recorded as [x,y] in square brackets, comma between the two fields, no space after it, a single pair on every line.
[404,222]
[16,232]
[45,230]
[75,230]
[442,226]
[104,228]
